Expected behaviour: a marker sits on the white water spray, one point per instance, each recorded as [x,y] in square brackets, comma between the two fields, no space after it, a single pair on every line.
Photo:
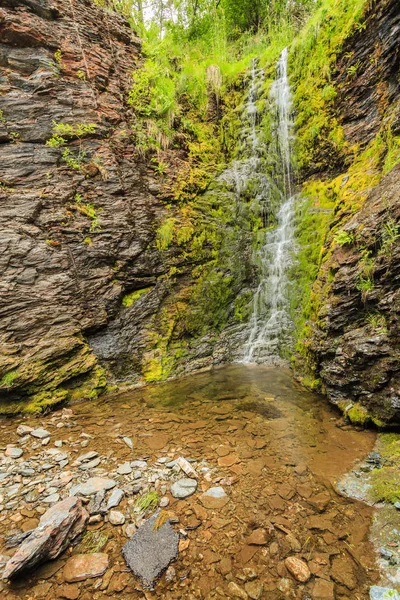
[270,323]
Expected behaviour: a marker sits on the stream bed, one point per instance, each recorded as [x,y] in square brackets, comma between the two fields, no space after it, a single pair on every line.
[275,449]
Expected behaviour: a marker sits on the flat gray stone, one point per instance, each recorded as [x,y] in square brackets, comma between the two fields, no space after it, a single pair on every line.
[40,433]
[13,452]
[183,488]
[380,593]
[92,464]
[128,442]
[150,550]
[92,486]
[116,518]
[124,469]
[115,498]
[138,464]
[24,429]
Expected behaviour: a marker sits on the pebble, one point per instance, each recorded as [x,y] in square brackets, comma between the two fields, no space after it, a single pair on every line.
[92,486]
[85,566]
[58,443]
[40,433]
[13,452]
[115,498]
[298,568]
[116,518]
[128,442]
[124,469]
[215,497]
[183,488]
[24,429]
[381,593]
[236,592]
[138,464]
[164,502]
[51,499]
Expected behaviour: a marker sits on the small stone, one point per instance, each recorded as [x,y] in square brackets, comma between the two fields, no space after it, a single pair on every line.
[92,486]
[58,443]
[85,566]
[124,469]
[236,592]
[380,593]
[397,505]
[186,467]
[116,518]
[128,442]
[116,496]
[298,568]
[170,574]
[164,502]
[138,464]
[70,592]
[92,464]
[87,456]
[215,497]
[13,452]
[254,589]
[46,441]
[183,488]
[40,433]
[51,498]
[95,519]
[24,429]
[323,590]
[258,537]
[225,566]
[130,529]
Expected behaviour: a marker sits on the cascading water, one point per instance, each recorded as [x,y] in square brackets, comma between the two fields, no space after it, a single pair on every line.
[270,323]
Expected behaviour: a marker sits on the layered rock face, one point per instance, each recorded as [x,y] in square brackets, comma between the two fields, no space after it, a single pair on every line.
[355,343]
[77,229]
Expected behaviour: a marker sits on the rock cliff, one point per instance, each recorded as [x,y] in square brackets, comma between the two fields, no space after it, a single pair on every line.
[353,346]
[76,234]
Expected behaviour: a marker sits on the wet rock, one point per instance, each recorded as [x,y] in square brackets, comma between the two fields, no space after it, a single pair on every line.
[320,501]
[254,589]
[235,591]
[225,566]
[150,551]
[69,592]
[259,537]
[342,572]
[85,566]
[116,518]
[57,528]
[183,488]
[40,433]
[298,568]
[323,590]
[381,593]
[93,486]
[215,497]
[13,452]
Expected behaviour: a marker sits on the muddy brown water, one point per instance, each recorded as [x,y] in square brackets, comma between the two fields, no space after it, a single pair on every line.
[275,448]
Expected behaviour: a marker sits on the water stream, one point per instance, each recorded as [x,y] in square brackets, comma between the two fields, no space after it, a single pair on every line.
[270,323]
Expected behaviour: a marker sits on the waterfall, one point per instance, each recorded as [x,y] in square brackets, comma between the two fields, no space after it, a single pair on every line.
[270,323]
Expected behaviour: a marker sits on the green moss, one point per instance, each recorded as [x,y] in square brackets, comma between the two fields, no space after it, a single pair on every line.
[131,298]
[7,380]
[358,415]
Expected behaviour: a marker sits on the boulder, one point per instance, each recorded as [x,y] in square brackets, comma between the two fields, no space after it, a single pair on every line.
[57,528]
[151,549]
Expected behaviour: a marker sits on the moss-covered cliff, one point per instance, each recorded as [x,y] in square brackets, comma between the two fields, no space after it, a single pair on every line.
[348,116]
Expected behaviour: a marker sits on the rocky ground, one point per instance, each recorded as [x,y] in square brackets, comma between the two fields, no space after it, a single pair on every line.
[241,465]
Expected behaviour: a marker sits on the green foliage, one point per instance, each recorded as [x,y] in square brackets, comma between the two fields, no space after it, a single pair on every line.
[365,284]
[377,322]
[58,59]
[390,235]
[74,161]
[14,137]
[2,118]
[165,234]
[342,238]
[147,502]
[56,141]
